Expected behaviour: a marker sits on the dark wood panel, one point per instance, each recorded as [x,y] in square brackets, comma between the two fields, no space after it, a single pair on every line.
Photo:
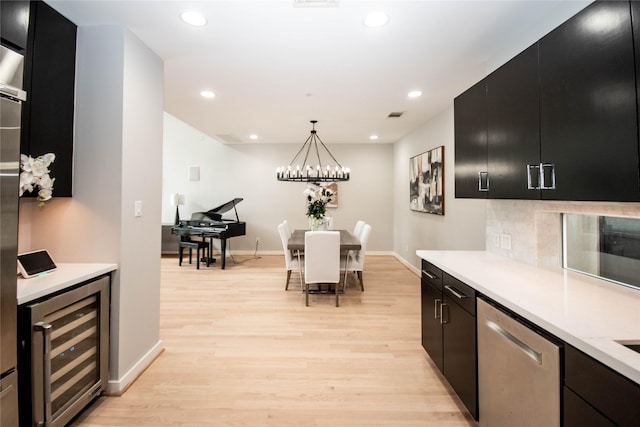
[14,24]
[470,111]
[460,361]
[609,392]
[578,413]
[431,298]
[588,106]
[513,126]
[50,84]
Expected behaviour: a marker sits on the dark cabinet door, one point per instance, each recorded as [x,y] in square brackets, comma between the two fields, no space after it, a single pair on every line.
[470,114]
[431,298]
[50,82]
[588,118]
[460,343]
[513,128]
[14,23]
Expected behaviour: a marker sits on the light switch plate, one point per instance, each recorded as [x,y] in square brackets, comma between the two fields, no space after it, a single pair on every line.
[137,208]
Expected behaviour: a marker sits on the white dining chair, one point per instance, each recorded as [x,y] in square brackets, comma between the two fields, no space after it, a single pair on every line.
[358,227]
[291,261]
[287,227]
[321,260]
[355,260]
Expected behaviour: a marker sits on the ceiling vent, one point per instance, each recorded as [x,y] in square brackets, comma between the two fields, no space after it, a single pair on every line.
[395,114]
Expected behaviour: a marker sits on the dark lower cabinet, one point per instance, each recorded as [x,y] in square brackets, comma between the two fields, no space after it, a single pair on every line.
[604,394]
[47,115]
[449,331]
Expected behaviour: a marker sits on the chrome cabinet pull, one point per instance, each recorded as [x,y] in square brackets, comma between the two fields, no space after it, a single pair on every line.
[436,307]
[45,328]
[444,321]
[6,390]
[455,292]
[552,175]
[533,171]
[429,275]
[483,177]
[530,352]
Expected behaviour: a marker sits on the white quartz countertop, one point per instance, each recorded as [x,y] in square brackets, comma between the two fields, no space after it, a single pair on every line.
[590,314]
[65,276]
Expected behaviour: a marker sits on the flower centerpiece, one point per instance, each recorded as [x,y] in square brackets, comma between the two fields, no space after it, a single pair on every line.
[35,173]
[317,199]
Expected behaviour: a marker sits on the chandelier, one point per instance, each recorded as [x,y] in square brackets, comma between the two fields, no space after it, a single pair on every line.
[302,170]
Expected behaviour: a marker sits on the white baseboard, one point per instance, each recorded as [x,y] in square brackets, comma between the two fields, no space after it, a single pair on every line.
[119,386]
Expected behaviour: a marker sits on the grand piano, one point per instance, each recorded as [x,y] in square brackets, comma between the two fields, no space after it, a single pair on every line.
[210,225]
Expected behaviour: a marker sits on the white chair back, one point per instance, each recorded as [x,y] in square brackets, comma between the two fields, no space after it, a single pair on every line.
[284,236]
[358,228]
[322,257]
[364,238]
[287,228]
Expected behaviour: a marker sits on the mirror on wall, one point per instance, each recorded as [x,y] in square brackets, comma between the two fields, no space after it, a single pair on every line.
[602,246]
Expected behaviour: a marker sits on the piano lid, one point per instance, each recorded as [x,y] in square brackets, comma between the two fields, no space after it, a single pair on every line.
[225,207]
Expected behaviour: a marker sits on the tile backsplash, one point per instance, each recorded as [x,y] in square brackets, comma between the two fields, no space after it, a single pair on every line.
[531,230]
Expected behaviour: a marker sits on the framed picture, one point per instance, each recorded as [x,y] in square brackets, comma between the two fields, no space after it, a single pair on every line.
[332,186]
[426,182]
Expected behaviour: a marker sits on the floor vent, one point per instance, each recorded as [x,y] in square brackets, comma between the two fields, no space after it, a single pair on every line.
[394,114]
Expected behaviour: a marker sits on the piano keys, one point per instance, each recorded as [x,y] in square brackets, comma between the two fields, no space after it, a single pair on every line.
[210,225]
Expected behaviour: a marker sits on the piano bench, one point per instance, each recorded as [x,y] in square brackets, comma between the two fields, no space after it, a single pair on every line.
[191,245]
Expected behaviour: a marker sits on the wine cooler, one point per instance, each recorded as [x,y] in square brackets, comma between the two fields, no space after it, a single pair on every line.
[67,348]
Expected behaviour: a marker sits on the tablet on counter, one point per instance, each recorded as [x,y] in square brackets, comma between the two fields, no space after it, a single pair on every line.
[35,263]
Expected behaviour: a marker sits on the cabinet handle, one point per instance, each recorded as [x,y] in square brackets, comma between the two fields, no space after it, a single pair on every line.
[533,171]
[429,275]
[5,391]
[483,178]
[530,352]
[552,176]
[455,292]
[45,328]
[444,321]
[436,307]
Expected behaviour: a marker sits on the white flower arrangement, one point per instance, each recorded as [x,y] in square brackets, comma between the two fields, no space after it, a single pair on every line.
[35,173]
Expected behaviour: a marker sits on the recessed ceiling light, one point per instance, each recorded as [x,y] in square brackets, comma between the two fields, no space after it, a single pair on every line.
[376,19]
[194,18]
[253,136]
[207,94]
[373,137]
[415,94]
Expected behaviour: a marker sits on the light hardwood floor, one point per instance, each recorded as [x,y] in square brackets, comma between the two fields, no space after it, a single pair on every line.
[242,351]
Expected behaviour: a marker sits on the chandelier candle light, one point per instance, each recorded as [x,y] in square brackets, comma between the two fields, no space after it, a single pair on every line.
[305,172]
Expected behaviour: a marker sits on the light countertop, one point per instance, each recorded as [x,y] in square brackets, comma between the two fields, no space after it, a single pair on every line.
[588,313]
[65,276]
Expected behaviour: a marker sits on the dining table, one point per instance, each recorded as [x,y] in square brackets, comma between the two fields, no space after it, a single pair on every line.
[348,242]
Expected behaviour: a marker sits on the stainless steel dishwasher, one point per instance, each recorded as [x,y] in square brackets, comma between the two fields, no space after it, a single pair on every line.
[518,372]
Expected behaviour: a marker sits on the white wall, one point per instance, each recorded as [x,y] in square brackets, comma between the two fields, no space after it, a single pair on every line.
[248,171]
[117,159]
[463,224]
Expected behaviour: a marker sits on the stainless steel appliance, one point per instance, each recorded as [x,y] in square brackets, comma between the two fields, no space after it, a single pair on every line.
[518,372]
[65,353]
[11,96]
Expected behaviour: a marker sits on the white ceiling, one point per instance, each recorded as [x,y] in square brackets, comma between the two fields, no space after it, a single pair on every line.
[274,66]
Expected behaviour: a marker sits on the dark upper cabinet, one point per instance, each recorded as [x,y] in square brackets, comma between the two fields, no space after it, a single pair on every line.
[513,128]
[47,123]
[470,115]
[14,23]
[588,116]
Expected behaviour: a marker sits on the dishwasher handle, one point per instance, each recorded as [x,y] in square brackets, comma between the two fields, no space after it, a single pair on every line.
[523,347]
